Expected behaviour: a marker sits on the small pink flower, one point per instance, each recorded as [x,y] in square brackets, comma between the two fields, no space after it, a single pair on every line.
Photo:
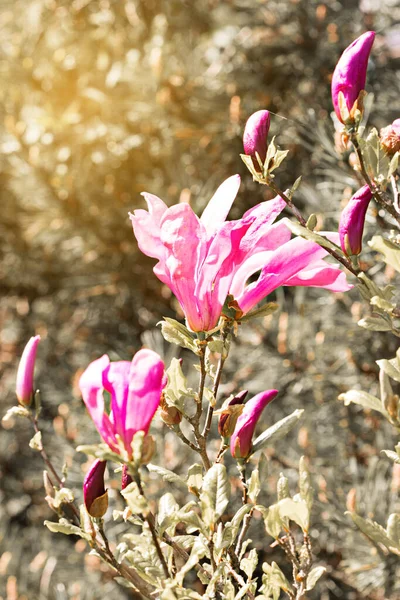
[241,440]
[203,260]
[351,225]
[390,137]
[135,390]
[94,493]
[255,136]
[24,385]
[350,73]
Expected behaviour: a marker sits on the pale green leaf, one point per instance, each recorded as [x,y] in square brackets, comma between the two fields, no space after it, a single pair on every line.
[176,333]
[375,532]
[363,399]
[64,526]
[301,231]
[390,367]
[390,251]
[177,389]
[273,521]
[263,311]
[393,528]
[375,323]
[167,475]
[254,486]
[277,431]
[36,442]
[305,484]
[249,563]
[295,511]
[313,577]
[215,494]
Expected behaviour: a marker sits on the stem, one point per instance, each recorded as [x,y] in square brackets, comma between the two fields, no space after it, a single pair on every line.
[376,192]
[149,518]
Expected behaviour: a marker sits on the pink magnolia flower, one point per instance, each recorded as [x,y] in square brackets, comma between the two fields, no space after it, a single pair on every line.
[390,137]
[241,440]
[351,224]
[135,388]
[203,260]
[350,73]
[26,367]
[94,492]
[255,135]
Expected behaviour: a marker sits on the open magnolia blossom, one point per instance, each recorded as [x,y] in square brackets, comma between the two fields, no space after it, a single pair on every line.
[202,260]
[135,389]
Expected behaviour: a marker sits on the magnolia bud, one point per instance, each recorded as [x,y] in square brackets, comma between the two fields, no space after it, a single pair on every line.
[255,136]
[350,75]
[241,440]
[24,384]
[94,494]
[390,137]
[351,224]
[230,413]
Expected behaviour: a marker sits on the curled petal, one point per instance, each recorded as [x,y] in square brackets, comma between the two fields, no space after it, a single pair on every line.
[241,440]
[218,207]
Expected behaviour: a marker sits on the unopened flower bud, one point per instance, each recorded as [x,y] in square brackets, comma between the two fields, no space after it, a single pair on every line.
[390,137]
[349,76]
[24,385]
[126,479]
[255,136]
[241,440]
[351,224]
[229,414]
[94,494]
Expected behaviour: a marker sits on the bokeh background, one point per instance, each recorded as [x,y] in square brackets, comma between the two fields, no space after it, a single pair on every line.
[102,99]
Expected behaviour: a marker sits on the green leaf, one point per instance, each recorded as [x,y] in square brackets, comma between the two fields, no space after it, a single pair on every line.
[249,563]
[198,552]
[382,304]
[63,496]
[215,494]
[282,487]
[167,506]
[274,581]
[64,526]
[390,251]
[313,577]
[263,311]
[167,475]
[375,323]
[231,528]
[303,232]
[16,411]
[254,486]
[36,442]
[273,521]
[375,532]
[390,367]
[177,389]
[194,480]
[393,528]
[101,451]
[134,499]
[176,333]
[295,511]
[363,399]
[276,431]
[305,484]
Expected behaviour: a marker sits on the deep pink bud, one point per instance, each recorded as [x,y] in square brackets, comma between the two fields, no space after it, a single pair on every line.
[94,494]
[350,73]
[351,224]
[241,440]
[24,385]
[126,479]
[390,137]
[255,135]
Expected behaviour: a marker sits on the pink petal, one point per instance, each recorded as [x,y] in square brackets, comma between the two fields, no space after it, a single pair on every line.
[116,382]
[146,226]
[321,275]
[241,440]
[146,382]
[283,263]
[186,245]
[91,386]
[217,209]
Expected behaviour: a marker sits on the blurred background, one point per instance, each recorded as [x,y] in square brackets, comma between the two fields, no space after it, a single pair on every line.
[102,99]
